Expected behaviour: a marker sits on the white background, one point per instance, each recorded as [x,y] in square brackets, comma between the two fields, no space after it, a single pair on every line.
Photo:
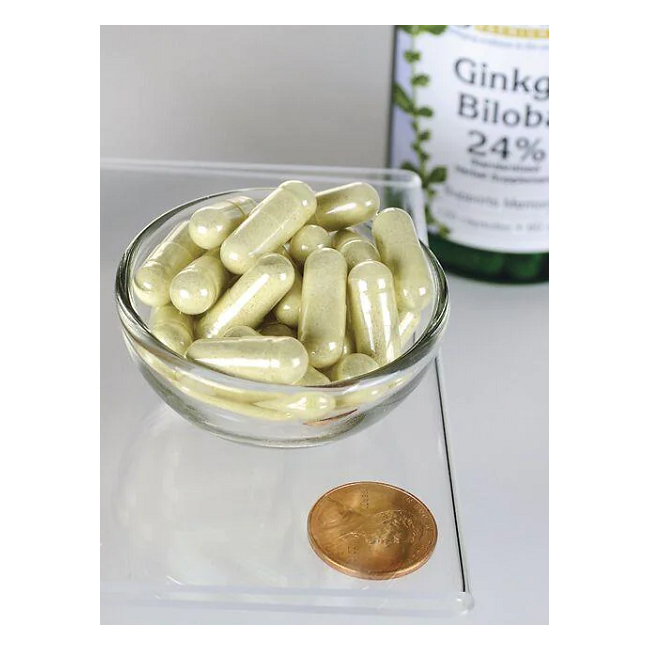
[266,94]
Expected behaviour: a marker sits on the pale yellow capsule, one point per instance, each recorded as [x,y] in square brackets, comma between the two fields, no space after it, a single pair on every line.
[345,206]
[198,286]
[356,251]
[249,410]
[272,223]
[232,405]
[281,250]
[250,299]
[269,359]
[171,327]
[194,384]
[307,240]
[156,364]
[402,253]
[348,340]
[352,365]
[322,313]
[240,330]
[343,236]
[209,226]
[152,279]
[313,378]
[408,324]
[373,311]
[287,311]
[277,329]
[303,406]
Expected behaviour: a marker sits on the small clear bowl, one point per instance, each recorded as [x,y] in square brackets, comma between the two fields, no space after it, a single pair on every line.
[258,413]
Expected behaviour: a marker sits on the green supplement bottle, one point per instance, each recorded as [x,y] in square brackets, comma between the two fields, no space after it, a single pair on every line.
[471,117]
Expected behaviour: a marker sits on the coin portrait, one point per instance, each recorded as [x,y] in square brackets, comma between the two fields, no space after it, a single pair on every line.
[372,530]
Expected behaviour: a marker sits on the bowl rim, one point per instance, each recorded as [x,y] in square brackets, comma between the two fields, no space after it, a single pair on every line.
[137,329]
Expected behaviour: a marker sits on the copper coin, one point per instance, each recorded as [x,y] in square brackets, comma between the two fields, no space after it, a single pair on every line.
[372,530]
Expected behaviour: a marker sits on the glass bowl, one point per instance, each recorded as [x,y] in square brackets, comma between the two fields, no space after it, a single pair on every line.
[260,413]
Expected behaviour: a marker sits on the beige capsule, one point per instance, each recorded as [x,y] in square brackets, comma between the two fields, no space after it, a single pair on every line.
[198,286]
[341,237]
[209,226]
[345,206]
[303,406]
[248,410]
[354,247]
[307,240]
[313,378]
[269,359]
[197,386]
[233,405]
[281,250]
[250,299]
[352,365]
[152,279]
[348,340]
[373,311]
[402,253]
[276,329]
[240,330]
[323,307]
[356,251]
[155,364]
[193,383]
[272,223]
[171,327]
[287,311]
[408,324]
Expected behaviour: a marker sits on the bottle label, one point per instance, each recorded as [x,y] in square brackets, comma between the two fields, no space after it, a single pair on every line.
[472,118]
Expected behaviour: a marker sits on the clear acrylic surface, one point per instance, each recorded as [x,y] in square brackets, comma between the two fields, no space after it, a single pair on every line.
[189,518]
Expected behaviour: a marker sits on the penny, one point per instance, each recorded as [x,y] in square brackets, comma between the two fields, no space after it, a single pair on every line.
[372,530]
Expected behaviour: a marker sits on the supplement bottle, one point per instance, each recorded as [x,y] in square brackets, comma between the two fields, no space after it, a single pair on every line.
[471,117]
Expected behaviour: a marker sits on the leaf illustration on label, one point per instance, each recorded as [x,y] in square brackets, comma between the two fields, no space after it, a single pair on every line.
[402,99]
[408,103]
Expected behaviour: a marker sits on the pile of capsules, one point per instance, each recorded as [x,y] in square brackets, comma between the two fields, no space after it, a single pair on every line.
[284,291]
